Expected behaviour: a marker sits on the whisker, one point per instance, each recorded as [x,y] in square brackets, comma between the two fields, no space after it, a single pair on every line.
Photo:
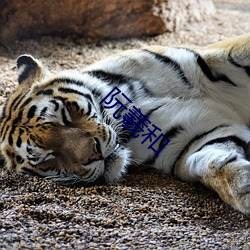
[137,162]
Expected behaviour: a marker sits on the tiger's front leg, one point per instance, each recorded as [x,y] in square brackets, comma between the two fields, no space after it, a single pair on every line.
[225,170]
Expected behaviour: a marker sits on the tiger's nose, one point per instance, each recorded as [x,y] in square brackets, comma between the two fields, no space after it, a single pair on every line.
[96,153]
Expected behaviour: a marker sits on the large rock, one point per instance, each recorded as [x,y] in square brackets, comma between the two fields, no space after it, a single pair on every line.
[97,18]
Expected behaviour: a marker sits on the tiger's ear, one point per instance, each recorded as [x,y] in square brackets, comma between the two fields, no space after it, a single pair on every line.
[30,70]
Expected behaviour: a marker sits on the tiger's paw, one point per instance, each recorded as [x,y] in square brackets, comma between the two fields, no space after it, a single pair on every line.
[230,178]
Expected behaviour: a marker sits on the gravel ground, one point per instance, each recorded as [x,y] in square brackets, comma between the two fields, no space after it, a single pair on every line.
[144,211]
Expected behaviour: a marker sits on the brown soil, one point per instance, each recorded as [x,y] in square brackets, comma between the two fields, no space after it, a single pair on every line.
[146,210]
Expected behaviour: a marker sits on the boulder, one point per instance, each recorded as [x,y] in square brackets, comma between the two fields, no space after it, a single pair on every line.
[98,19]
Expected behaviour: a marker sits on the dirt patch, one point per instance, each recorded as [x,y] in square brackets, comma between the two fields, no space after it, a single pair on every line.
[146,210]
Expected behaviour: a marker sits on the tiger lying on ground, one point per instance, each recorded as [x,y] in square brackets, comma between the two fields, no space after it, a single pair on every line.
[53,125]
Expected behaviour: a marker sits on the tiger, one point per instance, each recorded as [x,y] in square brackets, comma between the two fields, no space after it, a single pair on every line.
[59,126]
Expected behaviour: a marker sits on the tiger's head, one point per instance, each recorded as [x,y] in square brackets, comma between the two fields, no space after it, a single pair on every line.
[52,126]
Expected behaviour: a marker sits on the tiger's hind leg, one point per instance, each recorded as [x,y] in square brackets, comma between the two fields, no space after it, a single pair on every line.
[225,171]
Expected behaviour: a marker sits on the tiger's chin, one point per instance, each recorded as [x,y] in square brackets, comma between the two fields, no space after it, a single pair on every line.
[115,164]
[108,171]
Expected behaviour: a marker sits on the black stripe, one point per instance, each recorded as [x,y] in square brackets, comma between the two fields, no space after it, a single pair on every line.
[131,91]
[111,78]
[213,77]
[31,172]
[231,60]
[21,131]
[19,118]
[10,109]
[73,91]
[64,117]
[89,109]
[146,90]
[115,79]
[26,103]
[189,144]
[60,98]
[94,116]
[173,64]
[34,158]
[170,134]
[119,80]
[43,111]
[41,116]
[3,127]
[231,160]
[31,112]
[19,159]
[75,104]
[17,101]
[56,105]
[29,149]
[3,134]
[16,121]
[96,92]
[239,142]
[70,91]
[67,81]
[102,111]
[127,135]
[19,142]
[44,125]
[205,69]
[13,128]
[152,110]
[209,74]
[45,92]
[10,139]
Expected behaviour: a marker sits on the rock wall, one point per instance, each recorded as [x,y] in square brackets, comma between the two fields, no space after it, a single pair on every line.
[98,19]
